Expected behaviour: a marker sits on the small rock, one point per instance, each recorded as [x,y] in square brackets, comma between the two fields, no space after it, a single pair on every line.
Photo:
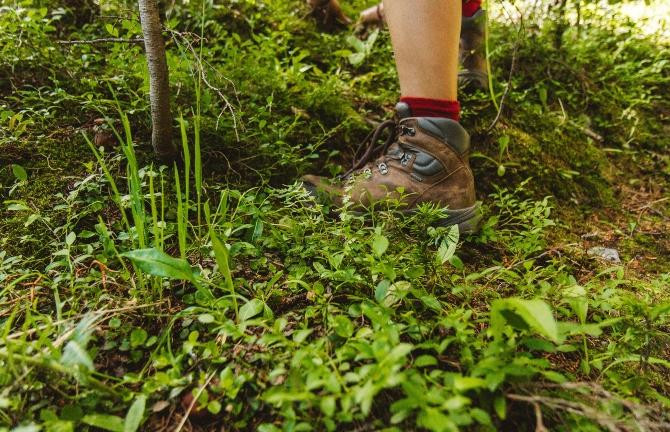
[607,254]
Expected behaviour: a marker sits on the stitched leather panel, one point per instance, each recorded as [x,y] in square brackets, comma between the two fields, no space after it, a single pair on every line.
[441,128]
[426,165]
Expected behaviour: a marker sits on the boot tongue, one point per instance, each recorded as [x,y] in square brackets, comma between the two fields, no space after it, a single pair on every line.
[402,110]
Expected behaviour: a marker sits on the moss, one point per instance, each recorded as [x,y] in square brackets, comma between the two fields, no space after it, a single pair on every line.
[52,164]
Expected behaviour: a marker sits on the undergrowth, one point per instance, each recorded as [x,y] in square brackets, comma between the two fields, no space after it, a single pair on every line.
[219,294]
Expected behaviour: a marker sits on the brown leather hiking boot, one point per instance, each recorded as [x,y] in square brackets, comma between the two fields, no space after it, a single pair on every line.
[473,52]
[328,13]
[424,160]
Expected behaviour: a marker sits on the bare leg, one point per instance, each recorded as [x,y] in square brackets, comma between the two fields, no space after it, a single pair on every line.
[425,36]
[426,155]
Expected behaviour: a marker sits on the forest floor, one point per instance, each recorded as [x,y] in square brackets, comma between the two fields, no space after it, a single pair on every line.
[217,295]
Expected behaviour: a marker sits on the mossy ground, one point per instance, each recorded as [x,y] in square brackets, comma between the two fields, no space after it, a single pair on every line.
[585,124]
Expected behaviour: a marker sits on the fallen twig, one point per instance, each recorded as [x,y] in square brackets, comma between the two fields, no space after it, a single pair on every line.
[200,66]
[511,74]
[647,418]
[100,40]
[194,401]
[588,132]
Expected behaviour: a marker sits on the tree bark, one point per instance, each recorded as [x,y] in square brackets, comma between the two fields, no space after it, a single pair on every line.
[159,84]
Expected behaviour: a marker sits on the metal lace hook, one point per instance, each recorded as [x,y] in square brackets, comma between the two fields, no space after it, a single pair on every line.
[372,138]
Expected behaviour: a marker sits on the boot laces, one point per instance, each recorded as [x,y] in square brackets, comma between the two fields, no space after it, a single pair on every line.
[372,149]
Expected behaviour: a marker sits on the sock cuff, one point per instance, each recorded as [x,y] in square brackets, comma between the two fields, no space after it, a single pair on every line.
[470,7]
[427,107]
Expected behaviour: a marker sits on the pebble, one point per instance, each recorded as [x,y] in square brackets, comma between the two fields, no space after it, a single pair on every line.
[607,254]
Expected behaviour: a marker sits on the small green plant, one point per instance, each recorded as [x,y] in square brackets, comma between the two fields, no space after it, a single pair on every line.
[217,293]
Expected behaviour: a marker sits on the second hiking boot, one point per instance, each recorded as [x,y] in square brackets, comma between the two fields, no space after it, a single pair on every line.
[473,52]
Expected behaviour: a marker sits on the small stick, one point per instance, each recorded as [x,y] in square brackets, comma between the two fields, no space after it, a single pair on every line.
[193,402]
[511,74]
[101,40]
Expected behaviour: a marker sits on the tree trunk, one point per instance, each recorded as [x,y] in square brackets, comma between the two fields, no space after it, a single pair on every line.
[159,84]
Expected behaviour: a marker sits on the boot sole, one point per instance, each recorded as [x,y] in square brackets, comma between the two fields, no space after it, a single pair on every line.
[467,219]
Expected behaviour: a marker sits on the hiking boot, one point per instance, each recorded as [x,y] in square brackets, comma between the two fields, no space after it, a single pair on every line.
[328,13]
[373,15]
[473,52]
[424,160]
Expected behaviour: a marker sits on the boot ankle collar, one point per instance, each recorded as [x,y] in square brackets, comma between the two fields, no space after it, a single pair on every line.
[448,131]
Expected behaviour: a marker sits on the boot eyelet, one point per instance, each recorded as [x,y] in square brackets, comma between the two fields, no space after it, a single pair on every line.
[404,160]
[406,130]
[367,172]
[383,168]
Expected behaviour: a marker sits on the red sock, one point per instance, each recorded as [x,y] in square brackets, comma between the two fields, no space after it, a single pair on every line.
[425,107]
[470,7]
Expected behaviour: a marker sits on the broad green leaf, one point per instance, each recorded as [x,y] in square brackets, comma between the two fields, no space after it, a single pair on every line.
[399,352]
[111,30]
[137,337]
[369,43]
[355,43]
[250,309]
[222,260]
[520,313]
[107,422]
[456,262]
[258,230]
[481,416]
[448,245]
[328,406]
[356,58]
[32,218]
[158,263]
[18,206]
[75,355]
[434,420]
[379,244]
[343,326]
[19,172]
[580,306]
[206,318]
[465,383]
[500,406]
[431,302]
[382,289]
[554,376]
[135,414]
[214,407]
[364,395]
[71,237]
[576,298]
[425,360]
[456,402]
[82,333]
[299,336]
